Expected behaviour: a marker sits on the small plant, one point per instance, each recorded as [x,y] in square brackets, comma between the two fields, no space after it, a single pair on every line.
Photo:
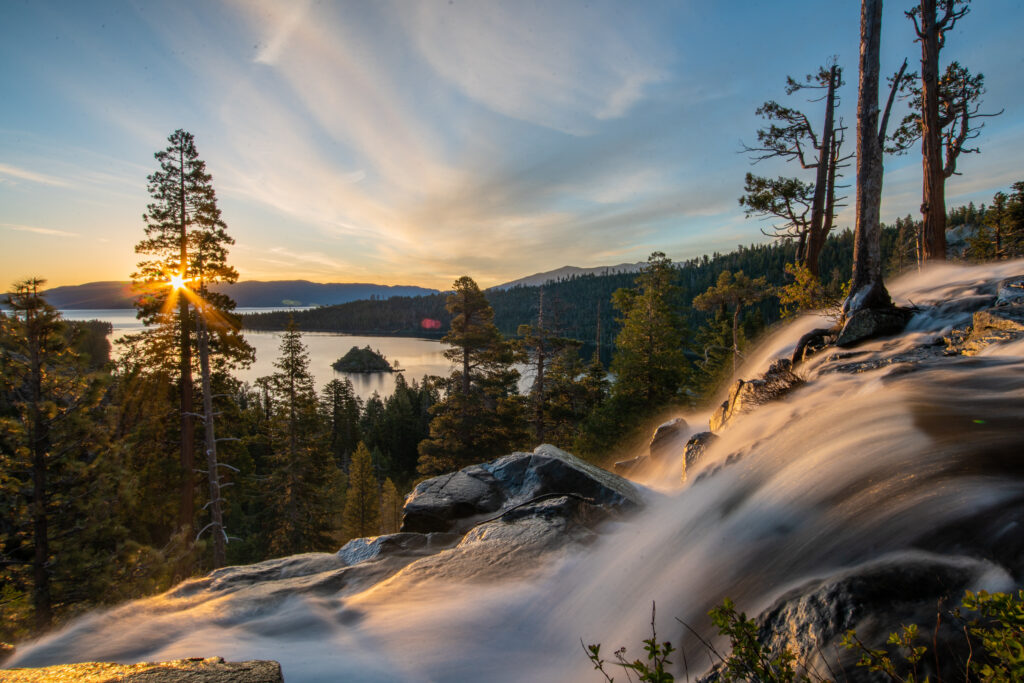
[1001,634]
[882,662]
[749,659]
[651,671]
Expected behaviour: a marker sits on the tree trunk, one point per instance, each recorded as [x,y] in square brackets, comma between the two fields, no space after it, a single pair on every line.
[186,512]
[867,290]
[210,442]
[538,385]
[822,188]
[736,338]
[933,202]
[41,600]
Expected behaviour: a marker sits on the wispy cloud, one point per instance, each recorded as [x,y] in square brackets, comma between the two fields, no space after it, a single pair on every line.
[39,231]
[31,176]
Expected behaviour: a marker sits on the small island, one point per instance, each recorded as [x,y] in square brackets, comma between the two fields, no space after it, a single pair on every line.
[362,360]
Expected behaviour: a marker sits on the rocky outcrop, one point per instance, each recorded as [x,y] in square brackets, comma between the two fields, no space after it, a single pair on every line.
[875,600]
[667,443]
[209,670]
[391,545]
[456,502]
[746,395]
[695,449]
[869,323]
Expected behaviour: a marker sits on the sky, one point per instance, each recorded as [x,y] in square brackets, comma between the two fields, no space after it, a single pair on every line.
[416,141]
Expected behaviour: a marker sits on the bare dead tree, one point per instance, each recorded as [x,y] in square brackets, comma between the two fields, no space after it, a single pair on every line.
[867,289]
[807,209]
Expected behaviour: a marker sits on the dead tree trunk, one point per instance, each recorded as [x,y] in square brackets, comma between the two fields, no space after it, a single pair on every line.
[867,290]
[823,188]
[933,201]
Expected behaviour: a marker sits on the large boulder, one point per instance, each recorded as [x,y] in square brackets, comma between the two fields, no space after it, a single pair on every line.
[667,443]
[455,502]
[390,545]
[208,670]
[745,395]
[877,599]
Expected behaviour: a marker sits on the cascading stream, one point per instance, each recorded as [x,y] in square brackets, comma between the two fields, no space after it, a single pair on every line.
[901,459]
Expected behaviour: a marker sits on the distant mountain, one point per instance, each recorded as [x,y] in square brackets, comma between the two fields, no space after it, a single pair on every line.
[250,294]
[566,272]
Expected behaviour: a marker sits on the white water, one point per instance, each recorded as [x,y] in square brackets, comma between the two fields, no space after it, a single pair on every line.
[847,469]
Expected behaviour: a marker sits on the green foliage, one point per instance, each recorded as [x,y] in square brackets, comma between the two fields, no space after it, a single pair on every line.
[303,483]
[649,364]
[749,659]
[1001,632]
[480,416]
[806,293]
[362,500]
[362,360]
[904,669]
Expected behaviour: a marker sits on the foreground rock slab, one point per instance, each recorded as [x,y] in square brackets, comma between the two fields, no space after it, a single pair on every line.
[209,670]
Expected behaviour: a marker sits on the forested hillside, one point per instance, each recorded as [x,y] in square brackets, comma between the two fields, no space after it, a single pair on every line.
[577,306]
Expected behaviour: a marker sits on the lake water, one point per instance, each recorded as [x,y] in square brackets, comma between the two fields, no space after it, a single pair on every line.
[416,357]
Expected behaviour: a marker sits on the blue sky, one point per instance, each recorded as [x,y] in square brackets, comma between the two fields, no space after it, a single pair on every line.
[411,142]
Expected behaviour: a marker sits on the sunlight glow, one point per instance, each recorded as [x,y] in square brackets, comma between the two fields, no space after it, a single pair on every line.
[177,281]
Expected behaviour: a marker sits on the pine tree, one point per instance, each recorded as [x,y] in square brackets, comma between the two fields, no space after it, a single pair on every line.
[341,409]
[303,484]
[362,501]
[649,364]
[52,459]
[390,508]
[733,291]
[185,239]
[480,416]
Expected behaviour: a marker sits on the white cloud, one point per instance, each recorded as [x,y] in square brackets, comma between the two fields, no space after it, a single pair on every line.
[40,231]
[32,176]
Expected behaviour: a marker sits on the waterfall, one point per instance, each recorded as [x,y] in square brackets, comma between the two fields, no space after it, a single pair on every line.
[888,450]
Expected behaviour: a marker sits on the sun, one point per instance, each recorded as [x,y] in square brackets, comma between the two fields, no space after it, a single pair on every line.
[177,282]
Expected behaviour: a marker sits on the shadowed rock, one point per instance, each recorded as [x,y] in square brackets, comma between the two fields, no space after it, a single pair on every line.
[695,449]
[455,502]
[869,323]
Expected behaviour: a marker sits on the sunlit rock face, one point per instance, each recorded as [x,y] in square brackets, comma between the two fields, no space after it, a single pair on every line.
[207,670]
[457,501]
[746,395]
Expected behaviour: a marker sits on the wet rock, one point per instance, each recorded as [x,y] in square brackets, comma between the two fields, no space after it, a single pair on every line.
[877,599]
[455,502]
[1010,291]
[989,326]
[208,670]
[695,449]
[668,440]
[869,323]
[633,466]
[514,543]
[362,549]
[745,395]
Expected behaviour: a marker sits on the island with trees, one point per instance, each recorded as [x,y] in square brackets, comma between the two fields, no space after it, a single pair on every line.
[364,360]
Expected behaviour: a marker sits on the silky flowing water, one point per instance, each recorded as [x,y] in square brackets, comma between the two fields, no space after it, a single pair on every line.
[847,469]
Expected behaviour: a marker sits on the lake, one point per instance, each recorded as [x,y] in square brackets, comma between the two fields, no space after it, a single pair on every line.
[417,357]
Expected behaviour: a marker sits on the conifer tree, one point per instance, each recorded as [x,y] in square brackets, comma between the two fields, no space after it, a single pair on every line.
[183,220]
[52,454]
[649,364]
[390,508]
[733,291]
[362,500]
[303,484]
[341,408]
[481,415]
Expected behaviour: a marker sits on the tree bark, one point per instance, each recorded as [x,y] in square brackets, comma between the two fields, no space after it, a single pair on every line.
[186,512]
[933,201]
[210,443]
[822,186]
[867,290]
[41,600]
